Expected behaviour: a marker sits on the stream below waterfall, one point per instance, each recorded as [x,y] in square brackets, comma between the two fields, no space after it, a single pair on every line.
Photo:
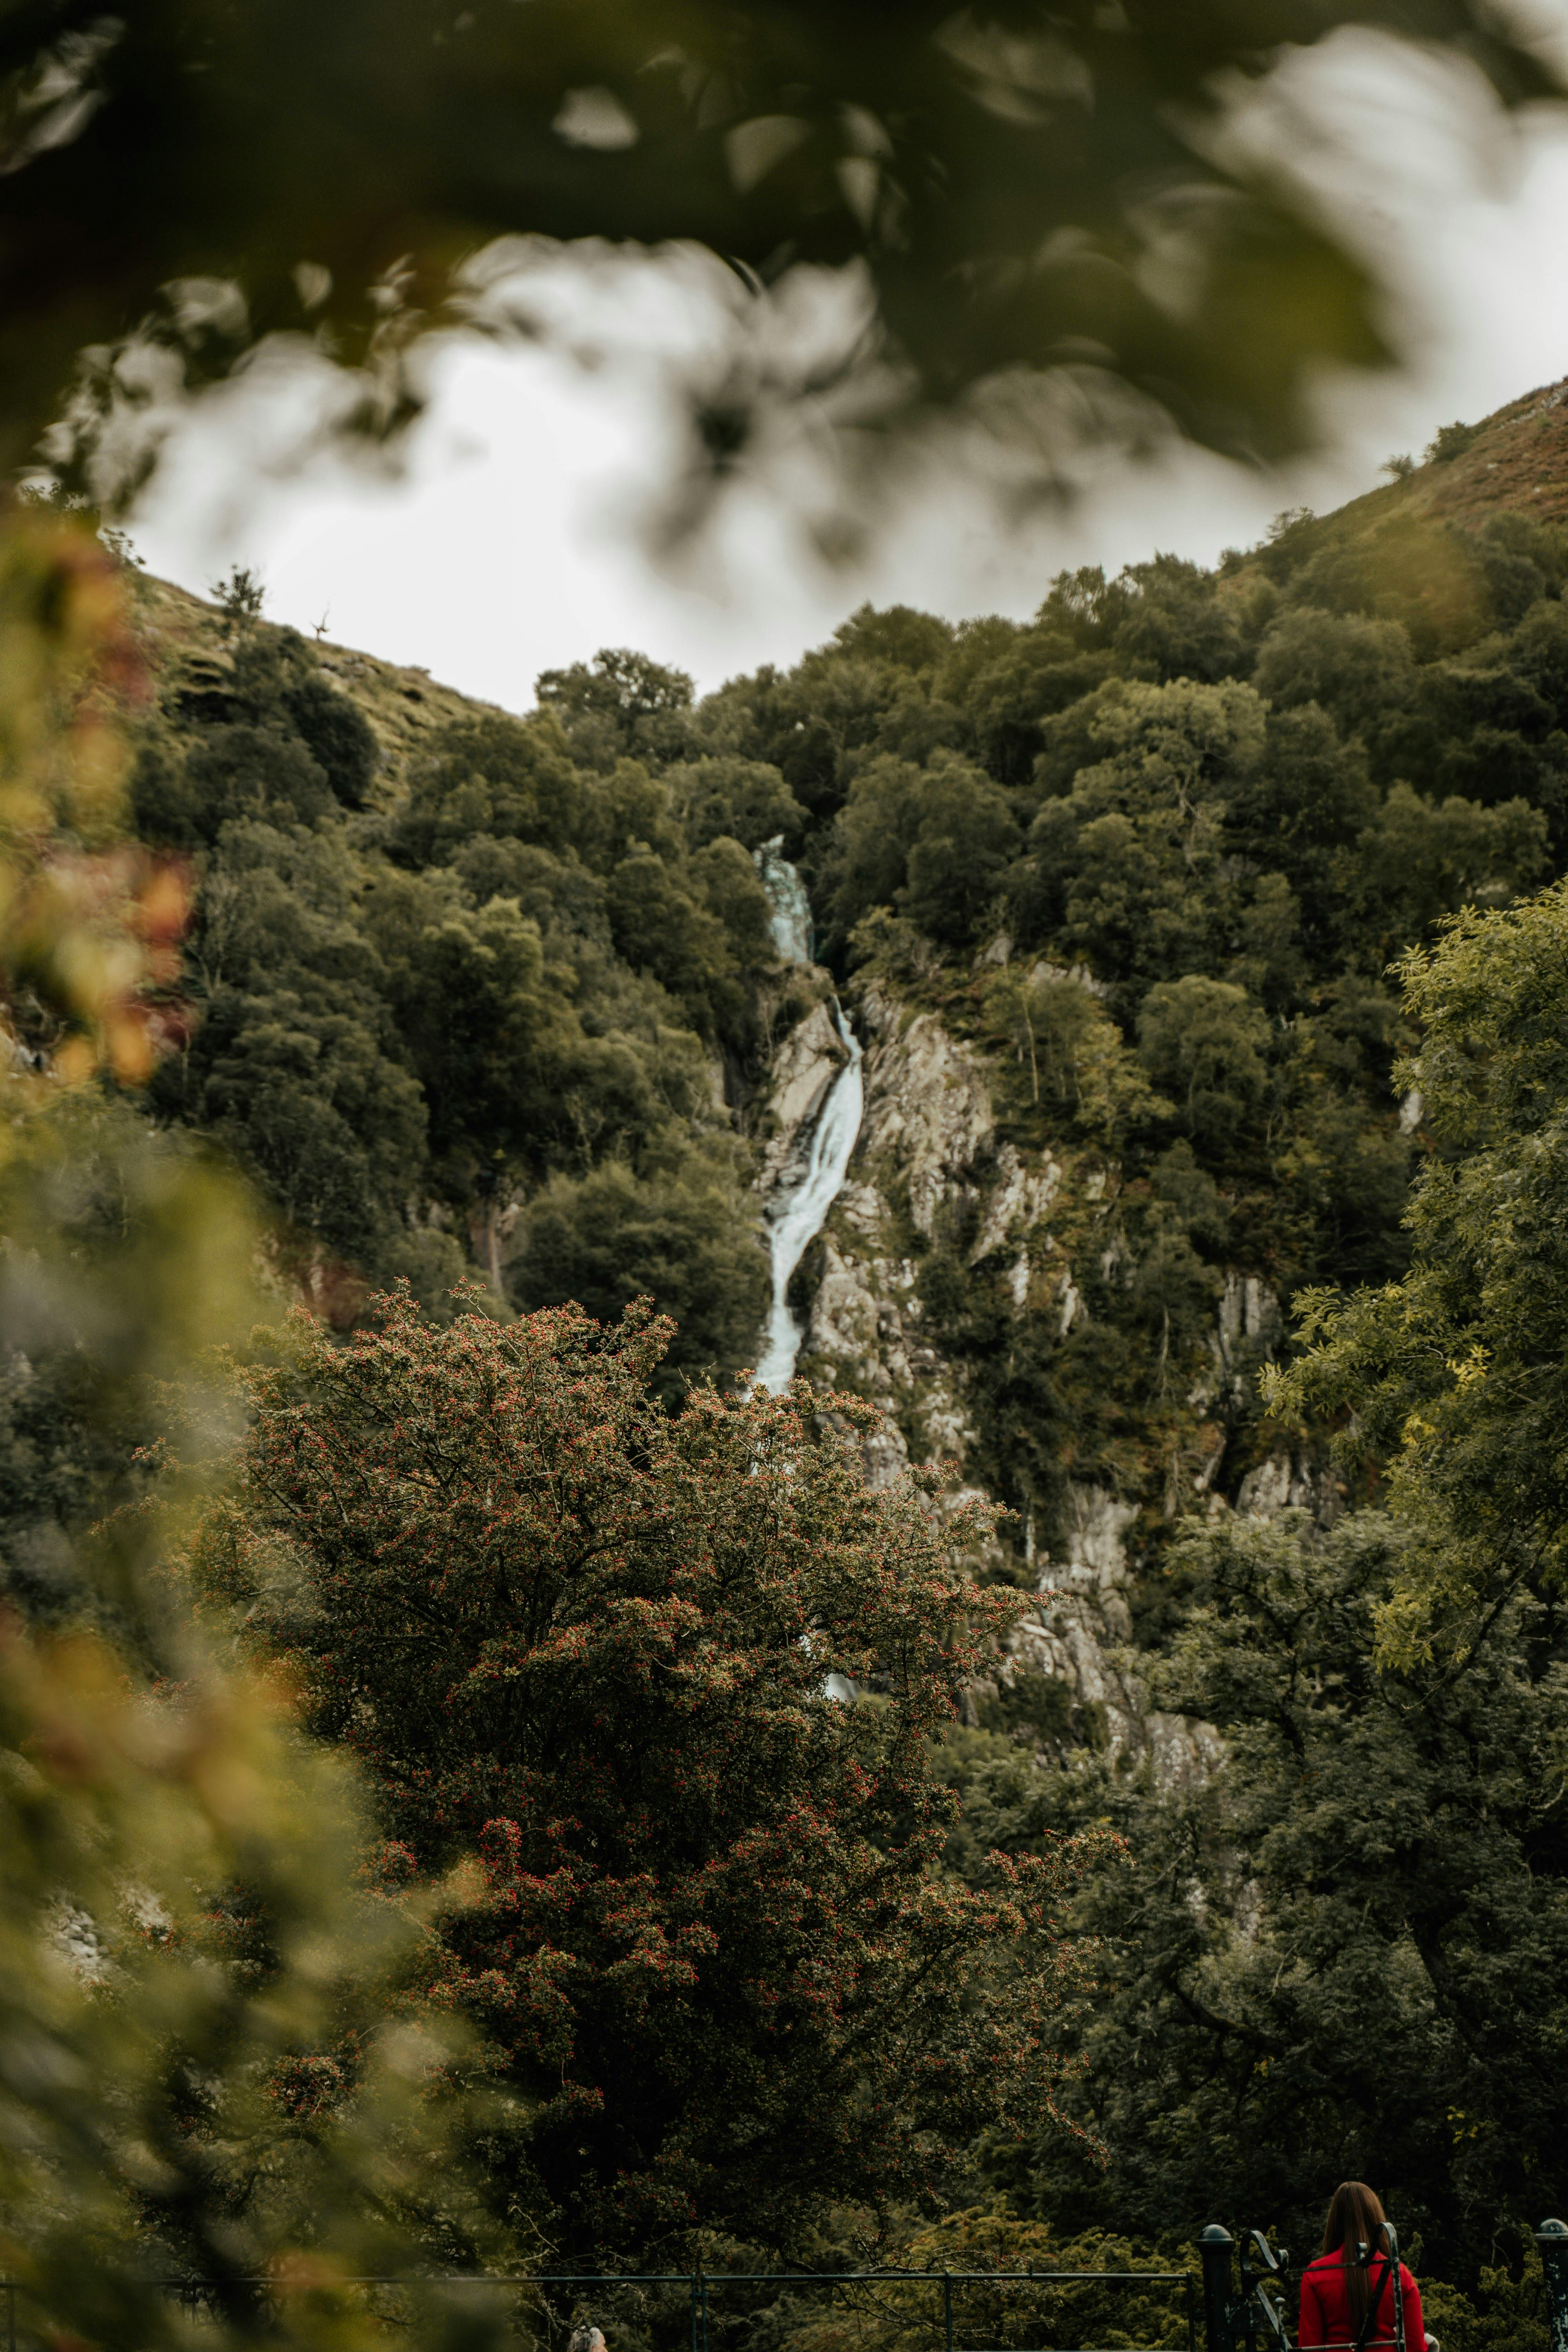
[800,1204]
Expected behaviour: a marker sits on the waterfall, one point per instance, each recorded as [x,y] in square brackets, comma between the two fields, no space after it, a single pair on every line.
[786,896]
[798,1208]
[797,1211]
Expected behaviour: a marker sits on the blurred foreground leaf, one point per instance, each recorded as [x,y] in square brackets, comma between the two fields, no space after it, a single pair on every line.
[213,2062]
[90,923]
[1025,186]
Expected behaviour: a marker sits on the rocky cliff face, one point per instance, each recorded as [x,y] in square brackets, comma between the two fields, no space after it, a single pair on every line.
[927,1121]
[929,1157]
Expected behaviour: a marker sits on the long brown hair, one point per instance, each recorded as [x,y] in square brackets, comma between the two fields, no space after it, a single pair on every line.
[1355,2219]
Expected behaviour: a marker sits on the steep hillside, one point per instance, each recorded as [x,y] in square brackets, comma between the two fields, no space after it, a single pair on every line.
[1515,462]
[464,994]
[190,643]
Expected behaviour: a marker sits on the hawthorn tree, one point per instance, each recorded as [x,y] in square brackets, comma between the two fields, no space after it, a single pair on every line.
[720,1965]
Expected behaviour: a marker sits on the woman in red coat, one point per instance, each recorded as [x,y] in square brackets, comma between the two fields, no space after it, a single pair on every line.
[1337,2289]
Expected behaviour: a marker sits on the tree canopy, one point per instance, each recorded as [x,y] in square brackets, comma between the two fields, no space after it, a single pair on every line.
[1339,1953]
[607,1649]
[1454,1373]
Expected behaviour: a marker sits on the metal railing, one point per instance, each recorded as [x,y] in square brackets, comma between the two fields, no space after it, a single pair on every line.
[945,2327]
[1258,2314]
[702,2284]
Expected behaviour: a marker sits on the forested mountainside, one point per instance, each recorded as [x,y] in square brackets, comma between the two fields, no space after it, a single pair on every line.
[475,990]
[1110,896]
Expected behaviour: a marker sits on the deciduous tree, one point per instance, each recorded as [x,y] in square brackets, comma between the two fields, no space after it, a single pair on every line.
[1456,1373]
[606,1648]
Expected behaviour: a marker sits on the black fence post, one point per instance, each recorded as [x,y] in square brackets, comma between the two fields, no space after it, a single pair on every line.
[1552,2240]
[1215,2247]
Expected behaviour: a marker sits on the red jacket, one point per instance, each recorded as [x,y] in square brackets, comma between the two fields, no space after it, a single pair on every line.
[1326,2306]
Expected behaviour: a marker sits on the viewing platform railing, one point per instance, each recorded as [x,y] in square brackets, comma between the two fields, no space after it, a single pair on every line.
[1238,2295]
[945,2324]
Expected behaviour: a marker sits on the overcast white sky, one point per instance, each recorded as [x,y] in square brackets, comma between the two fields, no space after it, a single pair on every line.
[515,542]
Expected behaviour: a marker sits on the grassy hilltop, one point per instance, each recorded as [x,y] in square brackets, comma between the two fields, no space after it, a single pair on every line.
[1515,462]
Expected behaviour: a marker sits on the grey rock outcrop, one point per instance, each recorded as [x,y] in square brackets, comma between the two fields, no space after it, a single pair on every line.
[805,1066]
[928,1164]
[927,1143]
[928,1104]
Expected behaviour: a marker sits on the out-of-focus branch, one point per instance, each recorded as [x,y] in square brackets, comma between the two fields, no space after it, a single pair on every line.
[1027,187]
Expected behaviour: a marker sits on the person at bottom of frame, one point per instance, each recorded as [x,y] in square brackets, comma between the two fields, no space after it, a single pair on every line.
[1337,2290]
[586,2338]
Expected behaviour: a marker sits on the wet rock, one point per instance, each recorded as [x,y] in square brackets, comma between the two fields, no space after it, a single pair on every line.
[804,1066]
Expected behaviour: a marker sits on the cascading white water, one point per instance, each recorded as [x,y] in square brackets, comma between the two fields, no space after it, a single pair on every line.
[797,1211]
[799,1206]
[787,899]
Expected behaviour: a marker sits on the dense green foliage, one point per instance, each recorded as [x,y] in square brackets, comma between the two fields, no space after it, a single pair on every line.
[530,978]
[1342,1952]
[596,1645]
[516,1007]
[1342,1955]
[729,1958]
[1454,1374]
[1339,1945]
